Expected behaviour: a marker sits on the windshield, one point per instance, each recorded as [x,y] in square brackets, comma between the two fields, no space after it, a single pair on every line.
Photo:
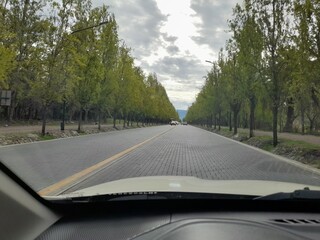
[111,97]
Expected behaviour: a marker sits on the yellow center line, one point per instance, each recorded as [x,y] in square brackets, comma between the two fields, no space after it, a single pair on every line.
[82,174]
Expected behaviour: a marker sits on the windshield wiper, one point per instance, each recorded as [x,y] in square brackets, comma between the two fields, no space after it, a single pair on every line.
[305,194]
[151,196]
[119,197]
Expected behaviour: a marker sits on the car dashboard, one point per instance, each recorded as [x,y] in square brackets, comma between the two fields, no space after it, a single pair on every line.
[186,225]
[25,215]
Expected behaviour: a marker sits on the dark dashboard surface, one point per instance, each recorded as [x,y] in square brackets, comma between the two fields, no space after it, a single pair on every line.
[186,225]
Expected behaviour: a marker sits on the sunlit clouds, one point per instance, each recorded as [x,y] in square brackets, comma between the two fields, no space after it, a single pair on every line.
[173,39]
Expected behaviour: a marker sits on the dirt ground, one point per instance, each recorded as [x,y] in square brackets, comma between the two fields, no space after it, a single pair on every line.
[291,136]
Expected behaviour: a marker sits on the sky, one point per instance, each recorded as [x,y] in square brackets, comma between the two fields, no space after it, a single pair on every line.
[174,38]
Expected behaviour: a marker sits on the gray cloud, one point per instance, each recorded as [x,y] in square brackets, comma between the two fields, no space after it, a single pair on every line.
[183,69]
[181,76]
[180,72]
[184,86]
[172,49]
[170,39]
[139,24]
[214,15]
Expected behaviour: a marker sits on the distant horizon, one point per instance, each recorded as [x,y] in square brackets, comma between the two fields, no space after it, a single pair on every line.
[182,113]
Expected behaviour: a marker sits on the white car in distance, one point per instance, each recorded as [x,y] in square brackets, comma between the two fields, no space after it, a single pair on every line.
[174,123]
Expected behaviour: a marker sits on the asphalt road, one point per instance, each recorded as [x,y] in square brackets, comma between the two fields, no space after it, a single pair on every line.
[174,150]
[41,164]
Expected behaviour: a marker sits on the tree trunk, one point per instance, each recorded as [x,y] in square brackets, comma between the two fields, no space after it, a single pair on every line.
[311,121]
[35,117]
[209,121]
[80,120]
[71,113]
[275,125]
[235,122]
[251,118]
[230,121]
[44,119]
[86,112]
[302,122]
[124,121]
[236,109]
[311,125]
[245,123]
[280,119]
[219,120]
[288,127]
[12,106]
[215,122]
[99,120]
[63,116]
[114,120]
[30,110]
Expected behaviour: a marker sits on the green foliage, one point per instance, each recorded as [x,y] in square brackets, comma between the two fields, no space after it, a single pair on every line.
[270,64]
[72,56]
[7,64]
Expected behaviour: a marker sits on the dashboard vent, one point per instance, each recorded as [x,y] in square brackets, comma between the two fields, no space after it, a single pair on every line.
[298,221]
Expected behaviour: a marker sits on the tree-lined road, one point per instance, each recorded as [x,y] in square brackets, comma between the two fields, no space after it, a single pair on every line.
[153,151]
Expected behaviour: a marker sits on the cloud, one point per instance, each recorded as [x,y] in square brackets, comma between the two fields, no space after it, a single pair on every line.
[212,27]
[181,76]
[172,49]
[182,99]
[182,68]
[139,24]
[160,44]
[170,39]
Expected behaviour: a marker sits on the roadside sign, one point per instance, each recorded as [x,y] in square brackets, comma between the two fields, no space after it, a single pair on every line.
[5,98]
